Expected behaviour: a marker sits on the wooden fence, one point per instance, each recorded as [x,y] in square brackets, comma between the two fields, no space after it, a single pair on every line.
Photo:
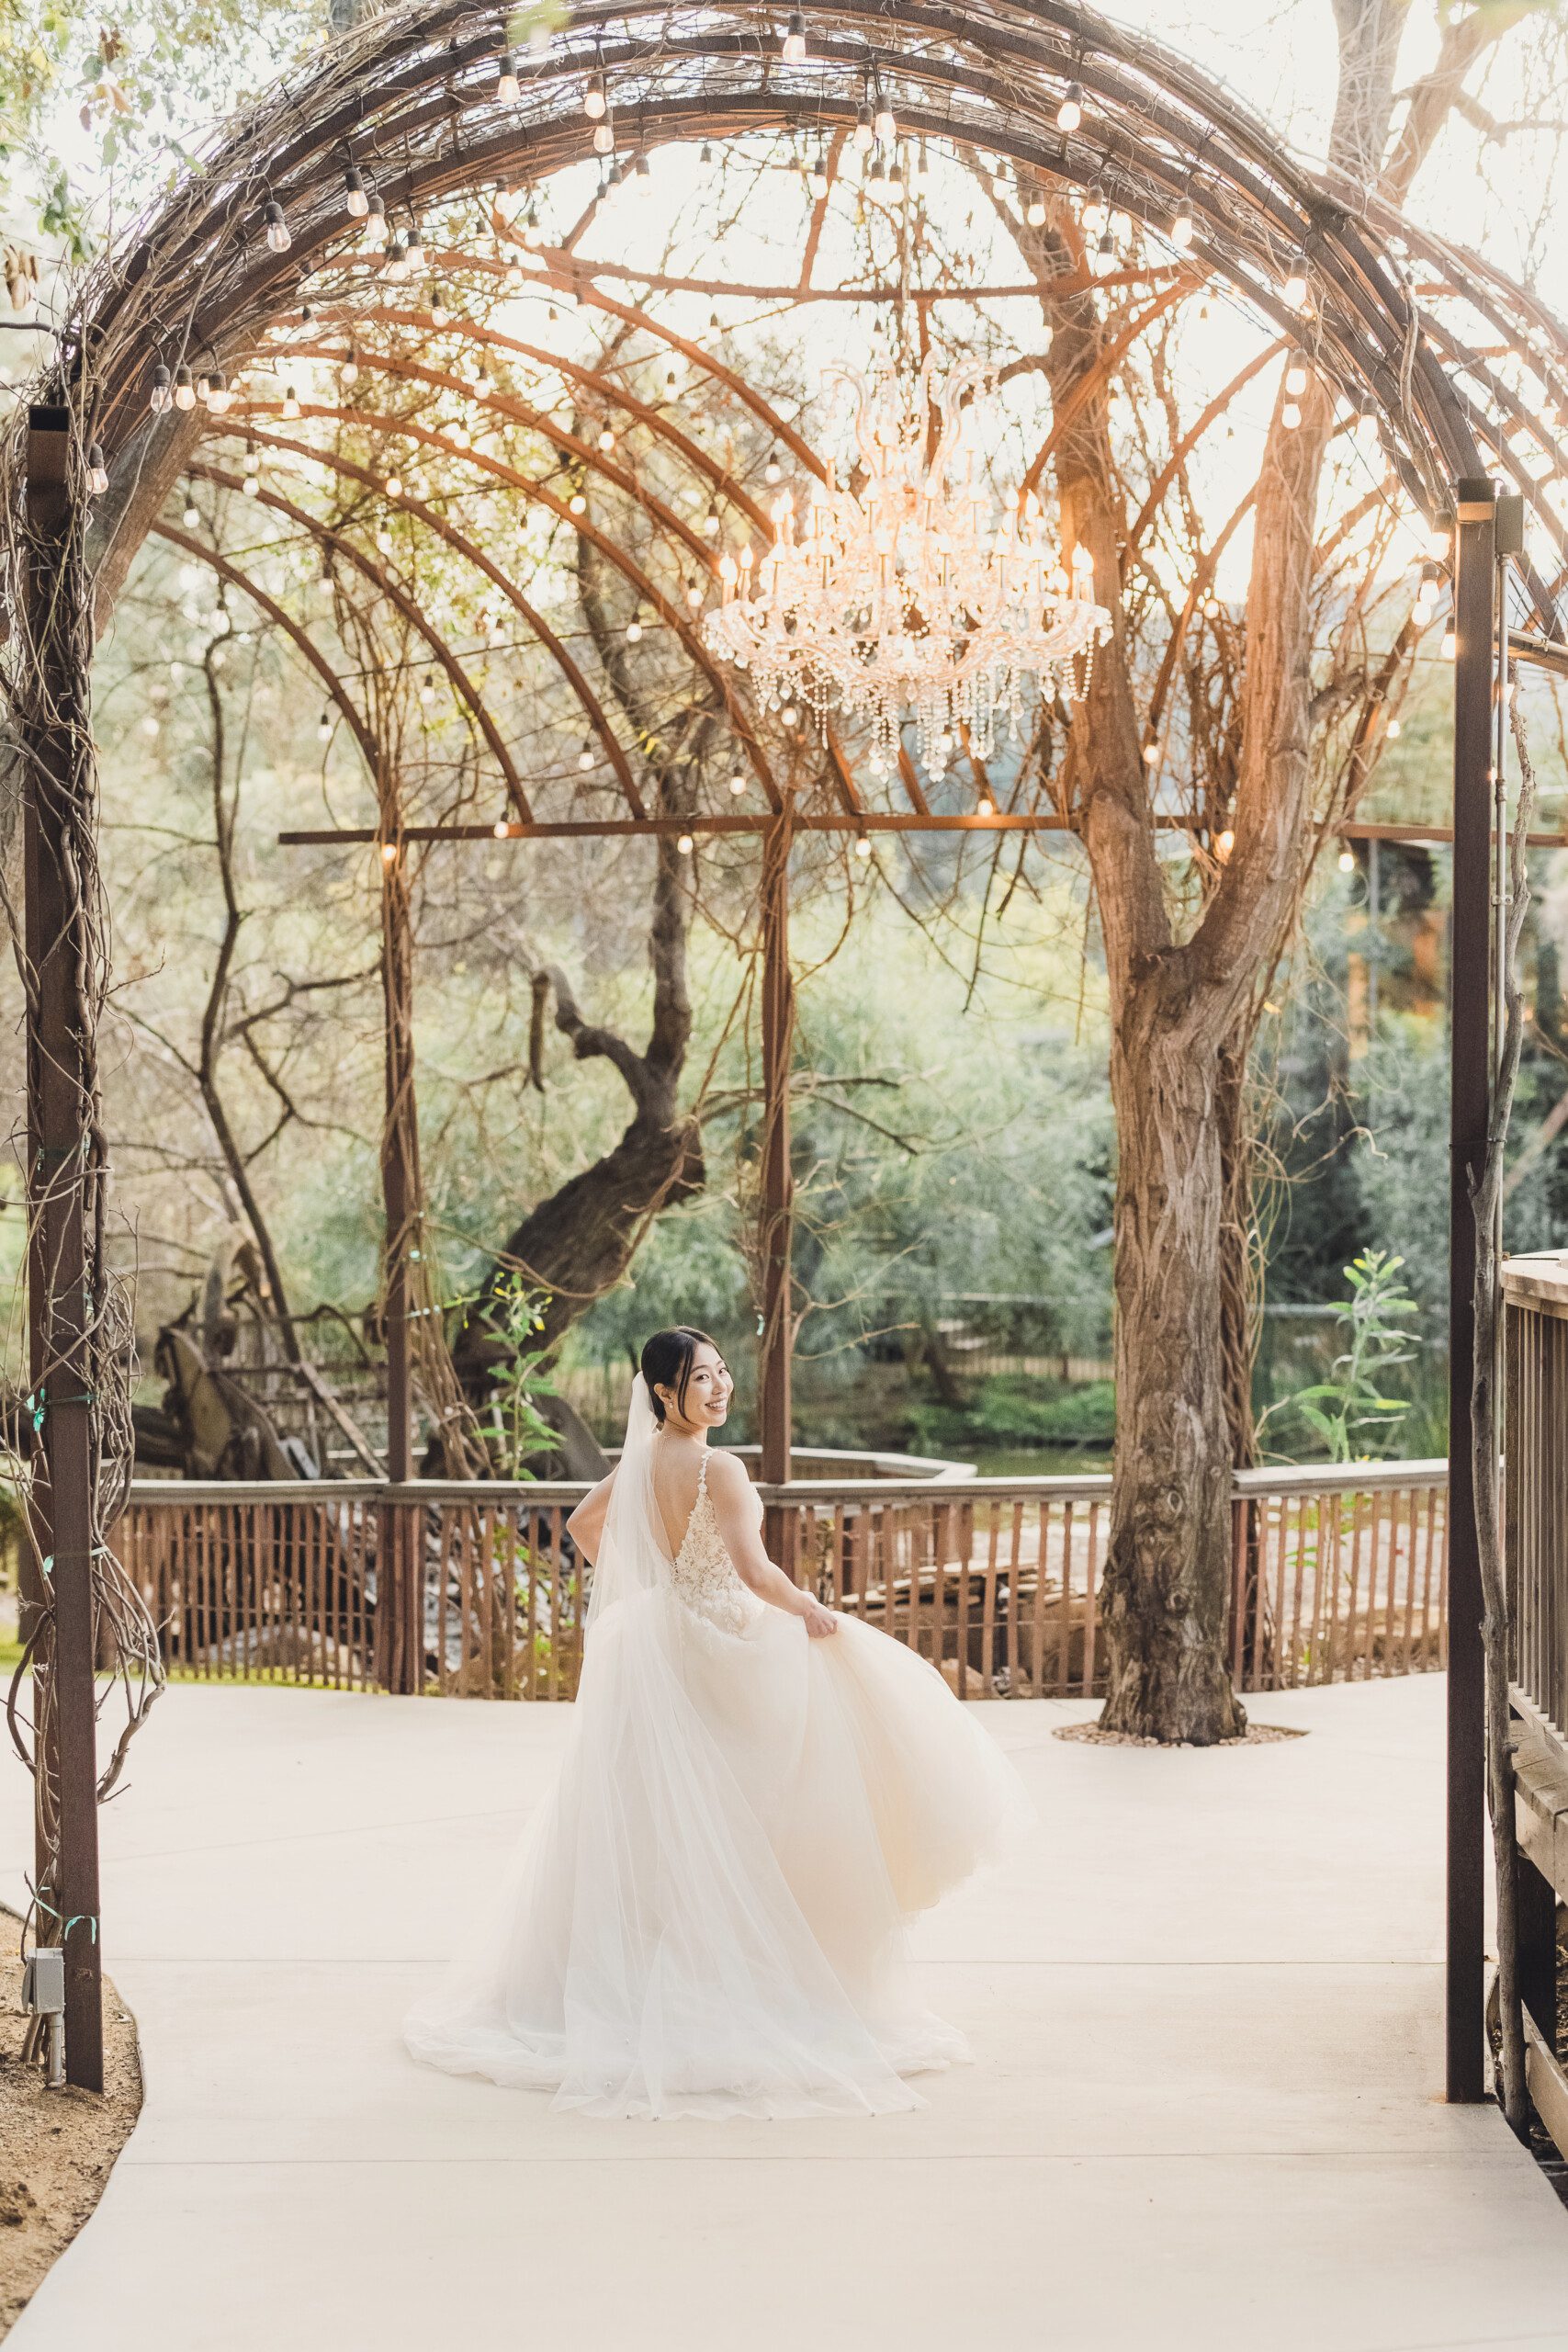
[1335,1574]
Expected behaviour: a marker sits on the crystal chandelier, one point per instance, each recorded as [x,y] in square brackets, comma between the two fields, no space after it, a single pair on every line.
[911,598]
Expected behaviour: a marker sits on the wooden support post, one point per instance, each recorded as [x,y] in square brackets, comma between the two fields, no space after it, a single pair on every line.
[57,771]
[777,1189]
[1470,986]
[399,1642]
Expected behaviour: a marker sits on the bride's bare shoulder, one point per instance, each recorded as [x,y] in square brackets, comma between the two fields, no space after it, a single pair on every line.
[727,1472]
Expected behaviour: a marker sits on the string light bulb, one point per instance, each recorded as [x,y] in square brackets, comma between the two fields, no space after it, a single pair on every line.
[508,89]
[866,135]
[585,757]
[641,165]
[1346,861]
[324,728]
[1296,379]
[604,138]
[1394,729]
[396,265]
[686,844]
[1450,646]
[440,315]
[532,235]
[818,181]
[737,784]
[394,485]
[1034,211]
[895,177]
[1181,229]
[277,237]
[1223,844]
[97,471]
[883,123]
[634,630]
[355,201]
[413,247]
[595,98]
[794,39]
[389,853]
[158,398]
[192,517]
[1070,114]
[219,398]
[694,592]
[185,388]
[290,401]
[577,503]
[862,844]
[501,829]
[349,369]
[373,230]
[1291,415]
[773,470]
[985,806]
[1295,290]
[1440,539]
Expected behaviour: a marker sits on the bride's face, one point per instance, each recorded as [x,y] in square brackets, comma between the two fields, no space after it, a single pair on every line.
[709,1387]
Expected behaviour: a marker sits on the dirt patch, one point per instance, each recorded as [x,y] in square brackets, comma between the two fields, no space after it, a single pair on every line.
[56,2147]
[1254,1736]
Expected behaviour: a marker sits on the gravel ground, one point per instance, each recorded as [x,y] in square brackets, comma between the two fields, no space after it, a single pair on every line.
[1254,1736]
[56,2147]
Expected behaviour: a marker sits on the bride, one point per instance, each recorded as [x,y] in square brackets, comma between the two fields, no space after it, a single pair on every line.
[705,1914]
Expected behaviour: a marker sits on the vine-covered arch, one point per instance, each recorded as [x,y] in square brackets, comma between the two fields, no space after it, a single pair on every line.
[426,103]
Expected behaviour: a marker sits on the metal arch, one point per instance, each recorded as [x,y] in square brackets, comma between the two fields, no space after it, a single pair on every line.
[387,586]
[299,637]
[597,460]
[440,528]
[414,431]
[1267,199]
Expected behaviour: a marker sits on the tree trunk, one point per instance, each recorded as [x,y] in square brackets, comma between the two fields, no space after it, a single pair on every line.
[1168,1572]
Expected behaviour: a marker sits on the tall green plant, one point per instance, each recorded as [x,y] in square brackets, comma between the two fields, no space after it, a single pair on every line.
[1343,1409]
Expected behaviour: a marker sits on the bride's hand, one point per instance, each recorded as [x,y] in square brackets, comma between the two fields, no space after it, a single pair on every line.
[818,1621]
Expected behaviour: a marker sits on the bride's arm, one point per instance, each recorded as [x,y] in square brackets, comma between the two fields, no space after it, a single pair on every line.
[586,1524]
[735,1515]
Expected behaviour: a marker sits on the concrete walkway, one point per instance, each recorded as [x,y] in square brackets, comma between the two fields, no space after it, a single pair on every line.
[1205,2110]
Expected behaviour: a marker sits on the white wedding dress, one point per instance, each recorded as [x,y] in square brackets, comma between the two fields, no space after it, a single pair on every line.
[706,1913]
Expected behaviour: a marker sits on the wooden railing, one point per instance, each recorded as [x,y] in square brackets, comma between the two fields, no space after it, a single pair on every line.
[1336,1575]
[1536,1483]
[1535,1495]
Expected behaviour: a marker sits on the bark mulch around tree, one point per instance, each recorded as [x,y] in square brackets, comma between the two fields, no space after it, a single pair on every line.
[1254,1736]
[56,2147]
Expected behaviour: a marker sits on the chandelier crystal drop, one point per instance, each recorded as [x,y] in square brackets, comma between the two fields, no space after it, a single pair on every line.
[910,598]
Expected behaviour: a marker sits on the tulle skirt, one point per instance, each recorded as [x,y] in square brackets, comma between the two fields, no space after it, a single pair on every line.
[706,1916]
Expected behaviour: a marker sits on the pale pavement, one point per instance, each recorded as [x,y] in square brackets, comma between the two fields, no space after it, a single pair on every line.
[1205,2010]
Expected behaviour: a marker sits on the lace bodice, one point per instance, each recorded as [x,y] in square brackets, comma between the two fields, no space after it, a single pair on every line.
[702,1573]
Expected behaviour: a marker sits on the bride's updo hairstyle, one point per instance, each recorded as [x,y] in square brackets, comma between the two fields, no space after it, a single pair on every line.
[666,1362]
